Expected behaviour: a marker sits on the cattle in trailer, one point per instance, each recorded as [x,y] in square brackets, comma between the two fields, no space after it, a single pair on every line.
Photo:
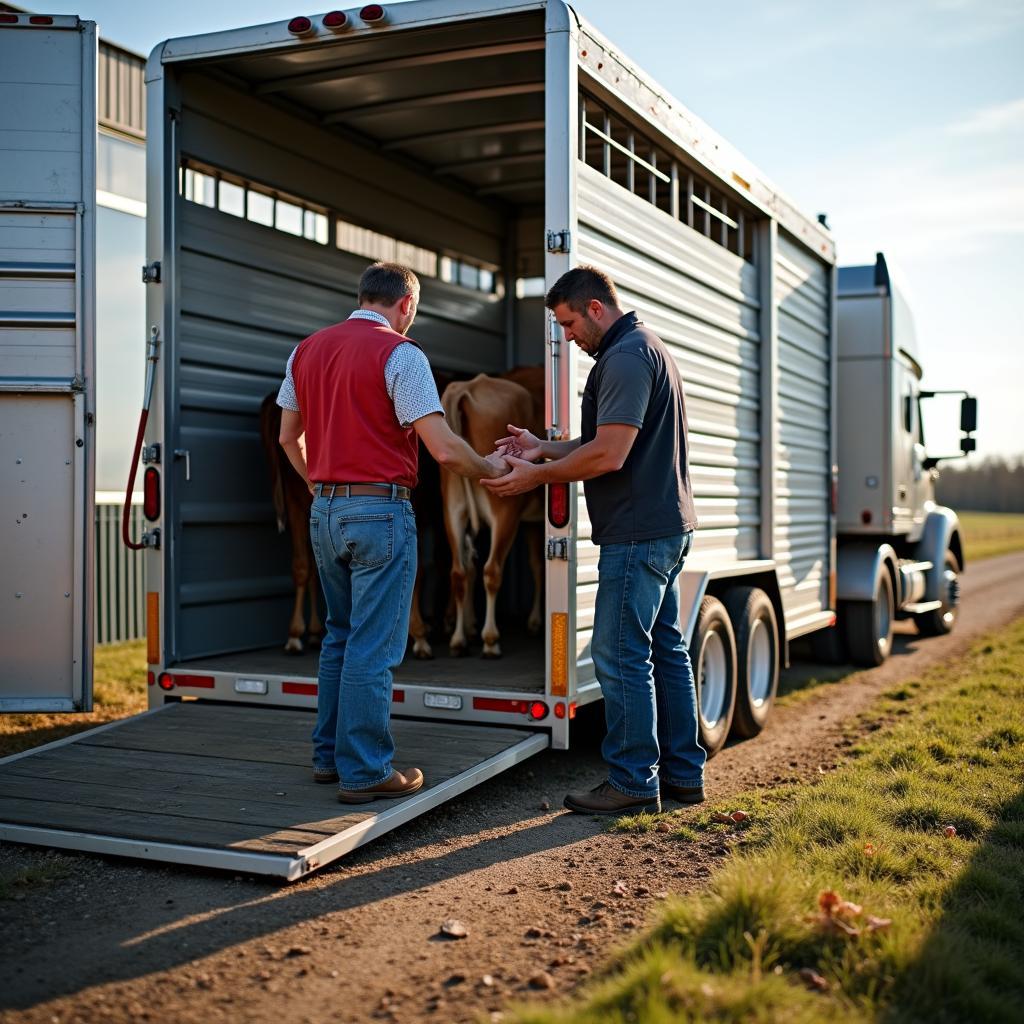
[480,410]
[292,501]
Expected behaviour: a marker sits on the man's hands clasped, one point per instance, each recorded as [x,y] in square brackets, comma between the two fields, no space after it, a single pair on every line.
[518,451]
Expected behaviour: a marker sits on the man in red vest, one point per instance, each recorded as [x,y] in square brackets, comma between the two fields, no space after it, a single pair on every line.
[355,398]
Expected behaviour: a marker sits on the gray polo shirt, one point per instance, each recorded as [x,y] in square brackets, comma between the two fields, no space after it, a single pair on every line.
[635,381]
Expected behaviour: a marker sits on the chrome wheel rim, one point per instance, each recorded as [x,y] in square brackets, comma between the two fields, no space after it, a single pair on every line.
[760,663]
[713,679]
[950,597]
[883,621]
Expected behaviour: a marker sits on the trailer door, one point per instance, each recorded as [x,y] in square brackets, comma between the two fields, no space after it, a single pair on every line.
[47,376]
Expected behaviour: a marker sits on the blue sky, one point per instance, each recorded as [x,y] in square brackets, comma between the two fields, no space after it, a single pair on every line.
[902,119]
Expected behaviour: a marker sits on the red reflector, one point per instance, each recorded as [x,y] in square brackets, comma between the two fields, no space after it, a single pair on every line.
[398,696]
[865,516]
[40,19]
[559,710]
[538,710]
[151,493]
[558,505]
[572,710]
[197,682]
[300,26]
[150,678]
[372,12]
[166,681]
[309,689]
[335,20]
[518,707]
[8,19]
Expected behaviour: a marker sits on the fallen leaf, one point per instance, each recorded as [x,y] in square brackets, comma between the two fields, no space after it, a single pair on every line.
[949,831]
[812,979]
[739,816]
[722,817]
[453,929]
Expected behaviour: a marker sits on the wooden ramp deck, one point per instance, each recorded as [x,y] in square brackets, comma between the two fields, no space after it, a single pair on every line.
[229,787]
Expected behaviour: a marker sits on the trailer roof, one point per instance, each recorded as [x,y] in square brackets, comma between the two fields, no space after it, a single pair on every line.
[486,102]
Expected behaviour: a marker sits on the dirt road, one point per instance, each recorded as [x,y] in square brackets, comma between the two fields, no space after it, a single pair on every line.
[535,887]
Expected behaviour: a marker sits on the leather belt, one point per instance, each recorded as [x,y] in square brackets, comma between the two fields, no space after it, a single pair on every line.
[392,491]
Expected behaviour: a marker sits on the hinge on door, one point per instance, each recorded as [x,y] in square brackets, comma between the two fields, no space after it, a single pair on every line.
[151,272]
[151,539]
[151,454]
[558,549]
[559,241]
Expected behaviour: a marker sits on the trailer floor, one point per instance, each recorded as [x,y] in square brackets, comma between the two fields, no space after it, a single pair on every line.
[520,669]
[229,787]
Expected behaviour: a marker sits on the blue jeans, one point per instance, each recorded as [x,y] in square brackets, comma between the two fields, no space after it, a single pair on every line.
[644,668]
[365,549]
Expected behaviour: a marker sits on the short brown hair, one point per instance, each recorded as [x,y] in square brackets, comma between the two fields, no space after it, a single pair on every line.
[384,284]
[577,287]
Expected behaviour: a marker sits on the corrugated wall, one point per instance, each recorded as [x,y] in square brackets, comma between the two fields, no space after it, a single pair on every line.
[249,294]
[120,609]
[121,90]
[702,301]
[803,460]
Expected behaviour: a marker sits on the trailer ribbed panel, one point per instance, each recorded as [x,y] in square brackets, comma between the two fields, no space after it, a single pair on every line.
[803,461]
[702,302]
[248,296]
[121,90]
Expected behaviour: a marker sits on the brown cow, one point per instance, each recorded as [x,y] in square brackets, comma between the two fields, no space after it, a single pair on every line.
[479,410]
[291,504]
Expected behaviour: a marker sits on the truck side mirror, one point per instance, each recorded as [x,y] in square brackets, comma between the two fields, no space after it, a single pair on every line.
[969,417]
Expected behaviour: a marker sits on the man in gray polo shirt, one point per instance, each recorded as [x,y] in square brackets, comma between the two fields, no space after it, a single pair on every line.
[632,458]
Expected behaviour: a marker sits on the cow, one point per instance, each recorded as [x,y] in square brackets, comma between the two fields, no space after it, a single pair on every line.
[292,501]
[480,410]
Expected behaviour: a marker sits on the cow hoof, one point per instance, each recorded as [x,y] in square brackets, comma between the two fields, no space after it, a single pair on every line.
[422,650]
[491,653]
[294,645]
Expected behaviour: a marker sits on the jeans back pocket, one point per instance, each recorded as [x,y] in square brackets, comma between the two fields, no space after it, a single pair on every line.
[665,553]
[369,539]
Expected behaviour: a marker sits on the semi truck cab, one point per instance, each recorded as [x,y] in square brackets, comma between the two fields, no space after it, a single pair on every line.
[899,553]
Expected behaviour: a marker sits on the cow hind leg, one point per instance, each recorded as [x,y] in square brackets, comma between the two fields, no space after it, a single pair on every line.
[535,546]
[503,532]
[297,626]
[417,627]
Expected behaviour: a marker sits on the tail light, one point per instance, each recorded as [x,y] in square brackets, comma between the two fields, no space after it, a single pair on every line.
[150,678]
[151,494]
[40,19]
[398,696]
[865,516]
[372,14]
[558,505]
[538,710]
[305,689]
[300,26]
[8,19]
[195,682]
[336,21]
[517,707]
[166,681]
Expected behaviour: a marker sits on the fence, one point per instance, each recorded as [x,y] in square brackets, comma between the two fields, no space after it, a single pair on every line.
[120,581]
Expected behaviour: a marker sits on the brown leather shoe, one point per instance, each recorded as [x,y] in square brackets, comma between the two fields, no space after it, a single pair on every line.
[606,799]
[397,784]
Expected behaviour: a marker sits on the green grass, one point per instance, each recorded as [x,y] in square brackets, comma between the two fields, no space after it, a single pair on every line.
[987,534]
[949,752]
[119,690]
[52,869]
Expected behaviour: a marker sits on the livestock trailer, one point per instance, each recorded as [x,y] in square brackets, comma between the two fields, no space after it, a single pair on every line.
[491,146]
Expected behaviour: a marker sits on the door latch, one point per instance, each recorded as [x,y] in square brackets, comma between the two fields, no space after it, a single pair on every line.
[151,272]
[183,453]
[151,454]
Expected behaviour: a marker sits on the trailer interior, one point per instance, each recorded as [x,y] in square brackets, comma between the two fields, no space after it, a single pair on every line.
[296,168]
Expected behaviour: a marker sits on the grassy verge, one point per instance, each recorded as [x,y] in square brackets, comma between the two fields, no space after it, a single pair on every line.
[987,534]
[119,690]
[892,891]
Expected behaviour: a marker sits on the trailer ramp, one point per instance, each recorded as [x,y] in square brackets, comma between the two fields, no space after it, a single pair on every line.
[229,787]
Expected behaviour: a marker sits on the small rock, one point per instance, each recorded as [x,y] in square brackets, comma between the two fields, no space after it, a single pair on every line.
[542,980]
[298,951]
[453,929]
[513,891]
[642,890]
[649,860]
[545,805]
[619,889]
[721,818]
[487,980]
[662,826]
[533,933]
[454,979]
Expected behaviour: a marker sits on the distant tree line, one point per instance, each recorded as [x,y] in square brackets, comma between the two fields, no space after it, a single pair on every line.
[993,485]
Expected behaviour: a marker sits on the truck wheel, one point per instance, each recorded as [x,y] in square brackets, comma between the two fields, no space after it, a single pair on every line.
[757,658]
[715,673]
[942,620]
[868,625]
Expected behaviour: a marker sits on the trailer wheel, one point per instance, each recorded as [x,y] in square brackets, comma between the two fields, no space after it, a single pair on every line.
[715,674]
[942,620]
[757,658]
[868,625]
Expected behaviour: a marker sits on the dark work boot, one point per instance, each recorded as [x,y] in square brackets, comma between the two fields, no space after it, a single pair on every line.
[606,799]
[684,794]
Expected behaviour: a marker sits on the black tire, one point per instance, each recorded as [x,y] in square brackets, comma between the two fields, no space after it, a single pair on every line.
[757,658]
[942,620]
[715,649]
[868,625]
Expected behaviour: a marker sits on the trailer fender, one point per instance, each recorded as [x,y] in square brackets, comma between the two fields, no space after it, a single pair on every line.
[858,570]
[941,533]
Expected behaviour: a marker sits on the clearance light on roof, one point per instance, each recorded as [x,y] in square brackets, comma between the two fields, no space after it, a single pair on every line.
[40,19]
[336,21]
[300,26]
[8,19]
[373,14]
